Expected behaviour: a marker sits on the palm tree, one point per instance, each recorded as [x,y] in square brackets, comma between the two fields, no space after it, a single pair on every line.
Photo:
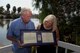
[19,9]
[14,9]
[8,7]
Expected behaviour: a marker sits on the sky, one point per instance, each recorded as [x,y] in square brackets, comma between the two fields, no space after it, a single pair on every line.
[19,3]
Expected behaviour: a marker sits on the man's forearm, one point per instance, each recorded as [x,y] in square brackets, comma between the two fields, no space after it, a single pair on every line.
[12,39]
[15,41]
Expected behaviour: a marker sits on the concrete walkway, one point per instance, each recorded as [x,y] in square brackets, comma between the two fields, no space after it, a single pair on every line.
[74,52]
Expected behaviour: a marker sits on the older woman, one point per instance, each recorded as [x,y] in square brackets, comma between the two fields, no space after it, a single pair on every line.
[49,24]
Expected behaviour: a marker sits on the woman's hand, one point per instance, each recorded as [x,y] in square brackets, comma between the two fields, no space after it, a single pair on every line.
[57,39]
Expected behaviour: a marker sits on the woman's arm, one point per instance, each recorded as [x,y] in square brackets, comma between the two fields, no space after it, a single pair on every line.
[57,34]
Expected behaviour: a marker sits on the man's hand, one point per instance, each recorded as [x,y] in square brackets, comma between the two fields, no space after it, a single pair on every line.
[20,45]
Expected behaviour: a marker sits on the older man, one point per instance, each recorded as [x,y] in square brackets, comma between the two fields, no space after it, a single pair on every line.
[13,34]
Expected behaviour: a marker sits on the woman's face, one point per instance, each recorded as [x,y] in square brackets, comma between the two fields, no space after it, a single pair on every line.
[48,23]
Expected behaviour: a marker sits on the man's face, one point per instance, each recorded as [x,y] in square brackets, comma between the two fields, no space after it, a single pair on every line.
[26,16]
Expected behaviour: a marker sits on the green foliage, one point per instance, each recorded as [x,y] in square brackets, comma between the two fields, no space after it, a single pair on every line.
[1,10]
[43,14]
[67,13]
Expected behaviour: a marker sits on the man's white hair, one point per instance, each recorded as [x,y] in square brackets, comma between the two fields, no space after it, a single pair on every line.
[25,9]
[52,18]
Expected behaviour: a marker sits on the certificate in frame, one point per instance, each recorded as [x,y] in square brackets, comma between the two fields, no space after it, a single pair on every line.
[48,37]
[29,37]
[36,37]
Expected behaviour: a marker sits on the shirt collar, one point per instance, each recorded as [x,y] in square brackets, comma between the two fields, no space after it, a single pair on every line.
[22,20]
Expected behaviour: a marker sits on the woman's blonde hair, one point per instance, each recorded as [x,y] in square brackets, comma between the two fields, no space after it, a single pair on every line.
[52,18]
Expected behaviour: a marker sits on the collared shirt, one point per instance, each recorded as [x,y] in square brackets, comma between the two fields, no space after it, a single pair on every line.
[16,26]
